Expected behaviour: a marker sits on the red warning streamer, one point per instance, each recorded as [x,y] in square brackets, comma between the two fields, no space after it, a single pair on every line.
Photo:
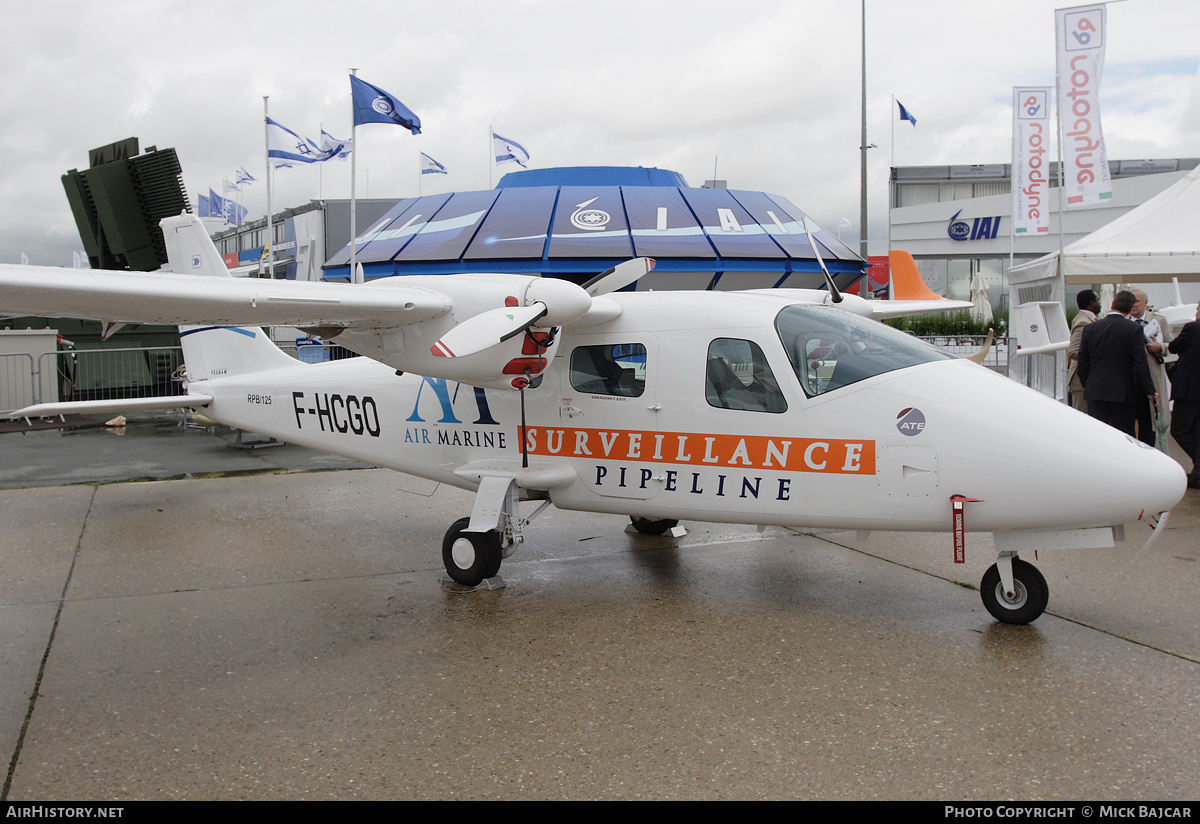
[959,524]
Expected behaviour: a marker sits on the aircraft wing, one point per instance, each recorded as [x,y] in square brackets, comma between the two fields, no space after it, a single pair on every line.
[166,298]
[884,309]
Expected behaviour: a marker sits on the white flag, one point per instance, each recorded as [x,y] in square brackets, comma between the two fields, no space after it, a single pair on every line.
[1081,35]
[285,147]
[509,151]
[335,148]
[24,260]
[1031,160]
[846,223]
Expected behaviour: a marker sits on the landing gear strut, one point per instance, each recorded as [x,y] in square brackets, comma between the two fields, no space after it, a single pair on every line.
[1019,600]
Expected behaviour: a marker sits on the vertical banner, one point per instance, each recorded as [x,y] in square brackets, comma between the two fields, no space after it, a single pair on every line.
[1030,162]
[1081,35]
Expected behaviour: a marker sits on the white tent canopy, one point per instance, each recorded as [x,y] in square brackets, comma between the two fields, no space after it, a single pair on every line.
[1153,243]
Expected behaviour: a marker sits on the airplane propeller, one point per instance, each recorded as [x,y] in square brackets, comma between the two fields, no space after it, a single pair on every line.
[618,277]
[553,302]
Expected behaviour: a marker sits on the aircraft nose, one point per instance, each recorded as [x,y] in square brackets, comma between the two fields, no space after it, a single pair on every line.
[1155,480]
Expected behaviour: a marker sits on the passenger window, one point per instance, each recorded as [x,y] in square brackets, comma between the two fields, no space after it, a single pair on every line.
[611,369]
[738,377]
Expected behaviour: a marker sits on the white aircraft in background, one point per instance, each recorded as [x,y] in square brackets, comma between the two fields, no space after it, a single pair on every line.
[772,407]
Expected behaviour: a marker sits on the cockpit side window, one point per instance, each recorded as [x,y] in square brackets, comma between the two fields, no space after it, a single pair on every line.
[609,369]
[829,348]
[738,377]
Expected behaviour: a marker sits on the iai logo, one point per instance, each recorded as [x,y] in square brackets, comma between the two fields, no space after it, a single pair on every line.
[910,421]
[592,220]
[958,229]
[382,105]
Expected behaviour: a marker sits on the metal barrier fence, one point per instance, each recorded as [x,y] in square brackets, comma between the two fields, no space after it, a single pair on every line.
[18,385]
[108,374]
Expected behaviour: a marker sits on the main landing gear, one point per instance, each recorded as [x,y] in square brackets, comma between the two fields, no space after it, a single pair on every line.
[474,547]
[1013,591]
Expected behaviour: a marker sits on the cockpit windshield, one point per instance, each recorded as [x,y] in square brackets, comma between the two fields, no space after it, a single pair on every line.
[830,348]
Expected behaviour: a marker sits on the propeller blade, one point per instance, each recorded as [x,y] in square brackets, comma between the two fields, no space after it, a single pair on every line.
[486,329]
[833,290]
[618,277]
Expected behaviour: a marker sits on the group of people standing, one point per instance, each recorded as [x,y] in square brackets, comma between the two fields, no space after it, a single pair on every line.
[1117,372]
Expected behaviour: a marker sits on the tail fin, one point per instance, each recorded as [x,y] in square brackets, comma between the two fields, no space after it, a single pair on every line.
[190,251]
[907,283]
[214,351]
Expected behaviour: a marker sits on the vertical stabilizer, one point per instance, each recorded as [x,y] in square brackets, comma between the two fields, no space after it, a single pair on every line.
[190,251]
[214,351]
[907,283]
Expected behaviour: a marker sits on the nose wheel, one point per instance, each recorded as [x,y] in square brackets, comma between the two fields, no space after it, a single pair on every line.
[1024,602]
[470,557]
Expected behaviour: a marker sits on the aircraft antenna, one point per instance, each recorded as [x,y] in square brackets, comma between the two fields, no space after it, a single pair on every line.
[833,290]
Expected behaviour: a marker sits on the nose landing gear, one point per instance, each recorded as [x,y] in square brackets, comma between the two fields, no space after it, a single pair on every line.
[1017,597]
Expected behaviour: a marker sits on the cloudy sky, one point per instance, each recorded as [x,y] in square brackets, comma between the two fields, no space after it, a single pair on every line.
[767,90]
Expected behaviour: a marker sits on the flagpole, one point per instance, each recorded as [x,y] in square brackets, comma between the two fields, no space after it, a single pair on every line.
[891,183]
[491,152]
[862,230]
[270,247]
[353,174]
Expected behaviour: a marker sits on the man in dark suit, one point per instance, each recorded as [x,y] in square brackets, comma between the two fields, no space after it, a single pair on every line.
[1113,368]
[1185,390]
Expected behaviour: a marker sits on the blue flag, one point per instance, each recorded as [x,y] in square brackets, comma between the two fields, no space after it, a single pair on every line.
[373,105]
[904,114]
[202,206]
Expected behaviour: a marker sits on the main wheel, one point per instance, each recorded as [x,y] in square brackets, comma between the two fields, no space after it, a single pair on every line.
[649,527]
[470,556]
[1030,594]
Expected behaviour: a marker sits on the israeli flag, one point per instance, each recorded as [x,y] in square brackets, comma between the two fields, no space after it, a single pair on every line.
[336,148]
[429,166]
[285,147]
[509,151]
[373,105]
[244,177]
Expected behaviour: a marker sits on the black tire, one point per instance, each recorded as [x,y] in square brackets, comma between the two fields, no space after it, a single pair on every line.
[649,527]
[1030,599]
[470,557]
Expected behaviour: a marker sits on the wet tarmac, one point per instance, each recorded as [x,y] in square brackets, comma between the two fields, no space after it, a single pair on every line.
[259,631]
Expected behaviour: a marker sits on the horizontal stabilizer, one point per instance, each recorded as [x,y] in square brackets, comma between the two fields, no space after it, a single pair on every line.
[107,407]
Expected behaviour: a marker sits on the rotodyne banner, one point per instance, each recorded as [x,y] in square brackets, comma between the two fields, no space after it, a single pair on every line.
[1081,35]
[1031,161]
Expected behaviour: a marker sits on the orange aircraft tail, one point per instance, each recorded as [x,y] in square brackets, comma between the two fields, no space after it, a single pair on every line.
[907,283]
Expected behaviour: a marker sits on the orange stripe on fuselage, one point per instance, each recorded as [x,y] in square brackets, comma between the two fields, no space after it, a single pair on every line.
[839,456]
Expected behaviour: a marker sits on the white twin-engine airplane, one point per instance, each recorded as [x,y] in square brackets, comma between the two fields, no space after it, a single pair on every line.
[771,407]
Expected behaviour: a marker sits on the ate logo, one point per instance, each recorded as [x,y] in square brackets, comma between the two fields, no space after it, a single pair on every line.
[910,421]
